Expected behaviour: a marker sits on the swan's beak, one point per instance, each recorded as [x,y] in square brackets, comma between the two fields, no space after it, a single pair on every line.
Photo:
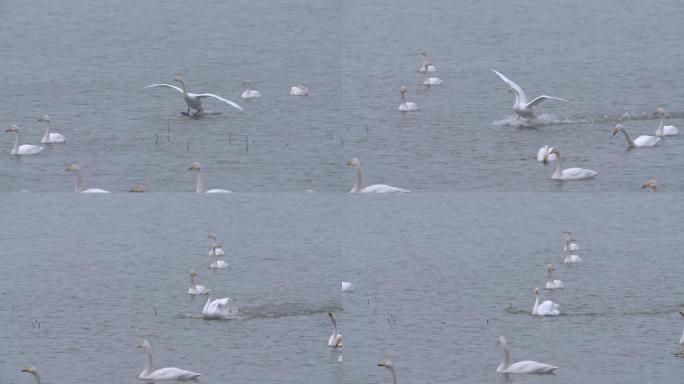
[348,162]
[546,158]
[681,313]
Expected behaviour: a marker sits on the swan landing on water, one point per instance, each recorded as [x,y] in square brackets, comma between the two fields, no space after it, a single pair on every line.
[522,107]
[194,100]
[527,366]
[171,373]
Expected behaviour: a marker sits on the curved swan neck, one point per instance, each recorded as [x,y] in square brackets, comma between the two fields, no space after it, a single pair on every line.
[630,142]
[46,135]
[358,185]
[15,148]
[550,275]
[185,92]
[199,187]
[506,356]
[77,186]
[403,98]
[36,376]
[149,367]
[660,132]
[193,282]
[393,373]
[559,167]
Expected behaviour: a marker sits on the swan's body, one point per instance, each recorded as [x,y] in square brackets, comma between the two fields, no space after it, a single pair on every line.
[215,262]
[199,185]
[544,156]
[50,137]
[570,242]
[376,188]
[194,100]
[431,80]
[196,289]
[76,169]
[651,184]
[32,370]
[546,308]
[426,63]
[299,90]
[406,106]
[569,258]
[149,373]
[216,309]
[527,366]
[347,286]
[551,283]
[24,149]
[387,363]
[664,130]
[216,248]
[569,173]
[249,93]
[335,339]
[641,141]
[522,107]
[681,340]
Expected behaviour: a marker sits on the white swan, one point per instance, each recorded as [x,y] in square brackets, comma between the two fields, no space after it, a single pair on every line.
[431,80]
[249,93]
[569,258]
[406,106]
[641,141]
[522,107]
[664,130]
[218,251]
[651,184]
[196,289]
[32,370]
[550,282]
[24,149]
[299,90]
[216,309]
[681,339]
[546,308]
[387,363]
[50,137]
[570,241]
[526,366]
[199,185]
[194,100]
[570,173]
[347,286]
[76,169]
[164,373]
[426,63]
[335,339]
[215,262]
[375,188]
[544,156]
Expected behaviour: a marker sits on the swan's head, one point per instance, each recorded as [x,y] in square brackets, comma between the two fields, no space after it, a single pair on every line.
[246,82]
[211,236]
[45,118]
[144,344]
[12,128]
[502,340]
[30,369]
[550,267]
[196,166]
[403,89]
[660,111]
[208,292]
[137,188]
[681,313]
[651,184]
[423,53]
[332,316]
[193,273]
[387,363]
[178,78]
[354,162]
[549,152]
[618,128]
[73,168]
[536,291]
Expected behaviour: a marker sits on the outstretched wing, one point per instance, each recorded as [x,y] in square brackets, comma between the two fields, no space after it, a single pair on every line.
[538,100]
[515,87]
[165,85]
[203,95]
[219,305]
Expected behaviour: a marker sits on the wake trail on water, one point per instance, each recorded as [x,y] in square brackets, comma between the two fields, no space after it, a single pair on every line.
[551,119]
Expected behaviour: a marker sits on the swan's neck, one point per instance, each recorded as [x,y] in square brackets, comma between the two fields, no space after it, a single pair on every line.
[15,148]
[403,98]
[36,376]
[550,276]
[559,167]
[535,309]
[394,374]
[183,87]
[660,132]
[77,186]
[248,87]
[46,135]
[427,75]
[199,187]
[630,142]
[506,357]
[193,282]
[149,367]
[358,182]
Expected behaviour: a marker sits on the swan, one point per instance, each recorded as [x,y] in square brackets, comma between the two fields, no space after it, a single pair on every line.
[544,156]
[163,373]
[76,169]
[194,288]
[199,186]
[347,286]
[522,107]
[651,184]
[214,249]
[641,141]
[299,90]
[569,258]
[32,370]
[216,309]
[387,363]
[426,64]
[194,100]
[24,149]
[681,339]
[550,282]
[569,173]
[215,262]
[664,130]
[50,137]
[375,188]
[335,339]
[570,241]
[526,366]
[406,106]
[431,80]
[546,308]
[249,93]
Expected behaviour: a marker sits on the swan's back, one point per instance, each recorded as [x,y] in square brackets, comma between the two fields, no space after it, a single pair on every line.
[646,141]
[529,367]
[249,94]
[382,188]
[548,308]
[408,106]
[577,174]
[29,149]
[171,373]
[217,190]
[670,130]
[94,190]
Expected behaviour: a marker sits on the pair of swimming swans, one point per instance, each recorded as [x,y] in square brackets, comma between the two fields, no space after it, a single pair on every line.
[335,339]
[194,100]
[199,184]
[24,149]
[375,188]
[568,256]
[522,107]
[215,252]
[76,169]
[171,373]
[426,64]
[546,308]
[569,173]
